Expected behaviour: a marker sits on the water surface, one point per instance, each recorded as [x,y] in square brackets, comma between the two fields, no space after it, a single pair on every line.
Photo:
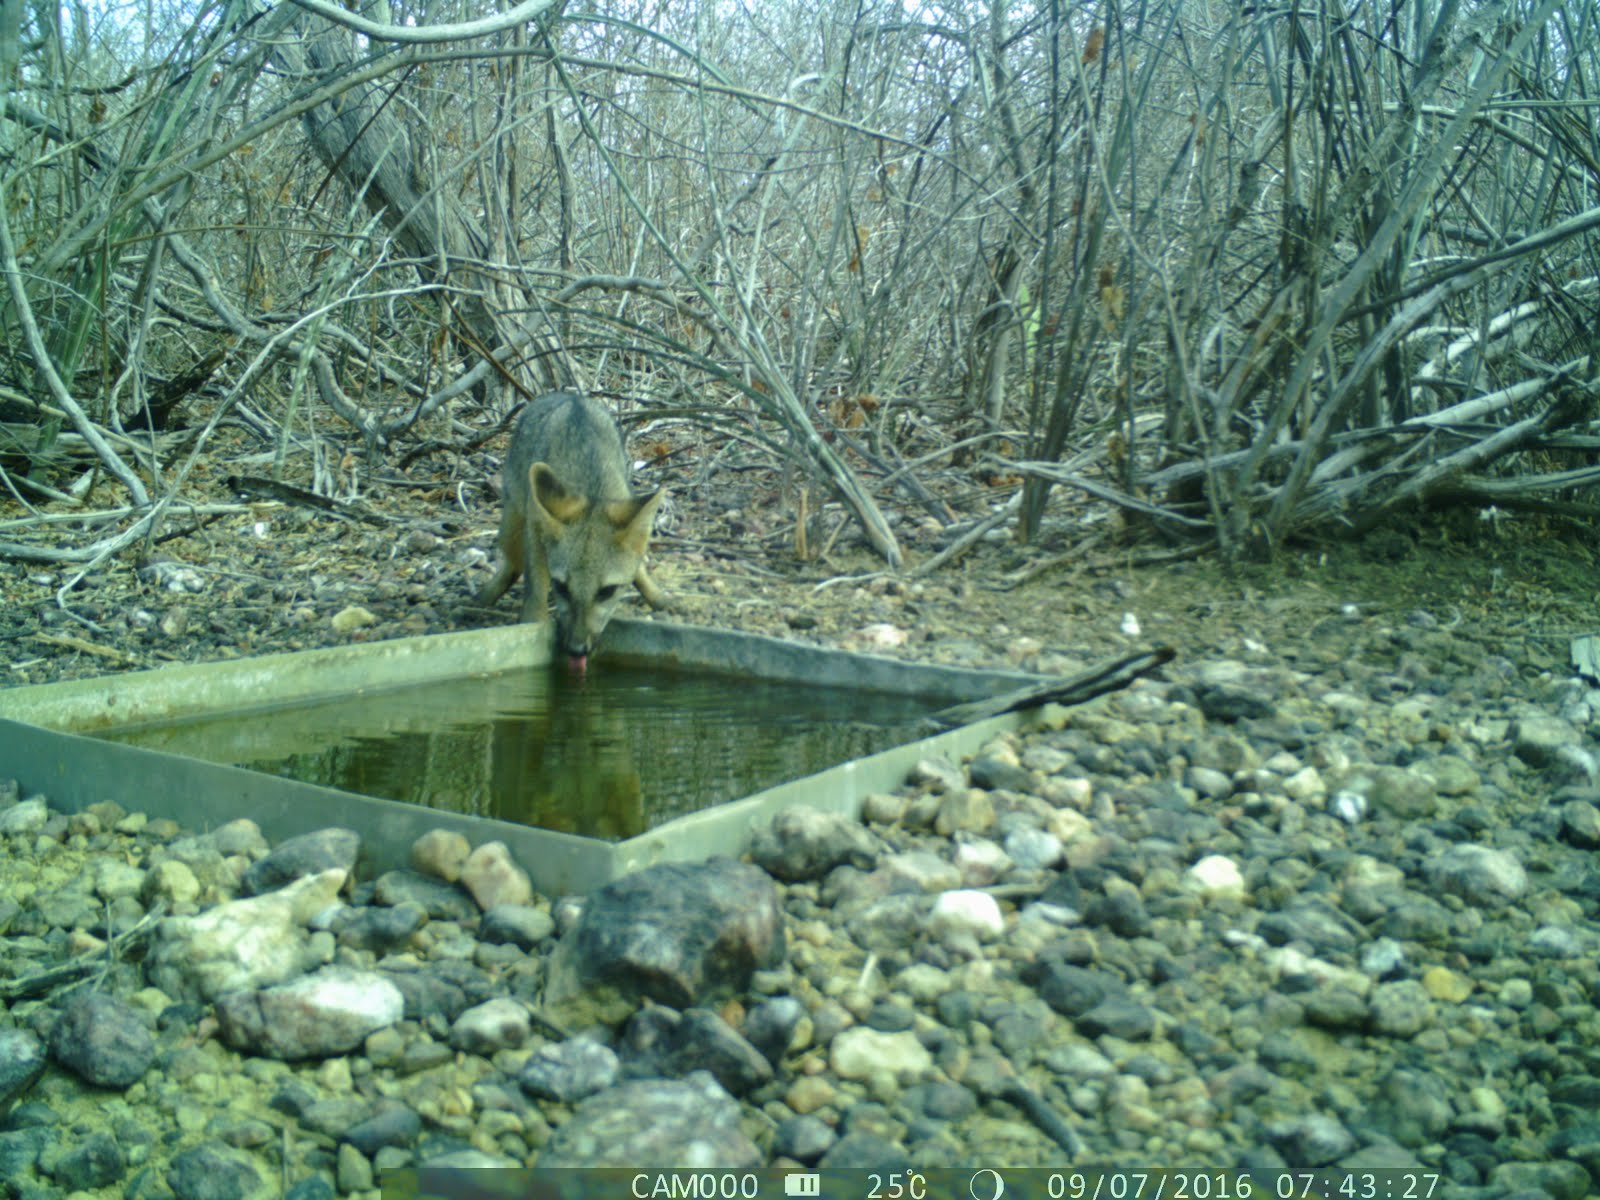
[610,755]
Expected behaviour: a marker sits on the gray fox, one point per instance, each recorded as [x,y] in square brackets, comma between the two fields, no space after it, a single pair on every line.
[571,522]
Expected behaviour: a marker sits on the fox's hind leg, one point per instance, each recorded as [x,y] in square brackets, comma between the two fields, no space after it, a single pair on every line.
[651,590]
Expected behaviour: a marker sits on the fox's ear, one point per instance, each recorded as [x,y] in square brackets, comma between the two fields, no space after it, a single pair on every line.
[554,504]
[632,520]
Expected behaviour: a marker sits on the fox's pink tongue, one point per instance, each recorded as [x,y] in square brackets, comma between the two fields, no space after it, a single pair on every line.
[578,664]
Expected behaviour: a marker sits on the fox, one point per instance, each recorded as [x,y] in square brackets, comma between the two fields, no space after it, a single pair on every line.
[572,524]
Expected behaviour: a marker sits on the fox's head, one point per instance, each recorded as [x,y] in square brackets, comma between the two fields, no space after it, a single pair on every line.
[593,549]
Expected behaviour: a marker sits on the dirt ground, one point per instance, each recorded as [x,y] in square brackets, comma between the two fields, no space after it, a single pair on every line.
[405,557]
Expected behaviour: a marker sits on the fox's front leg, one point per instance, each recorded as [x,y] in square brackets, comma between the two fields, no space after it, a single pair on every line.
[536,596]
[511,544]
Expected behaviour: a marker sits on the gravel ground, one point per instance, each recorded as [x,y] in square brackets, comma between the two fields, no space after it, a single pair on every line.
[1323,893]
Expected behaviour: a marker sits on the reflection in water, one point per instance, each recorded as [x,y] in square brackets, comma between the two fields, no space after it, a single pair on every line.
[610,755]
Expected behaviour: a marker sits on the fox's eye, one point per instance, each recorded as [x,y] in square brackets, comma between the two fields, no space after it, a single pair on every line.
[606,593]
[560,590]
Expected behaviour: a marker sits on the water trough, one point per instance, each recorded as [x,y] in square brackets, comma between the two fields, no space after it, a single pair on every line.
[46,741]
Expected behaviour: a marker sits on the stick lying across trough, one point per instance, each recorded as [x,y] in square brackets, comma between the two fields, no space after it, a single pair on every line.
[1073,689]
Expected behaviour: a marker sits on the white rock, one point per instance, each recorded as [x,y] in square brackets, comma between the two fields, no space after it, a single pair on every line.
[1305,784]
[316,1016]
[1068,825]
[27,816]
[980,861]
[861,1053]
[1290,963]
[923,982]
[1033,849]
[1350,807]
[498,1024]
[1217,877]
[243,944]
[968,912]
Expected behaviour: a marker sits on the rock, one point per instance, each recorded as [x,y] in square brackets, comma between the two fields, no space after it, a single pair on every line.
[171,882]
[861,1053]
[939,774]
[352,618]
[807,843]
[966,810]
[690,1123]
[804,1139]
[442,990]
[1120,1017]
[1314,1140]
[979,861]
[809,1093]
[395,1125]
[1442,983]
[493,877]
[1336,1008]
[96,1161]
[1313,921]
[1539,741]
[568,1071]
[309,854]
[520,925]
[22,1062]
[241,945]
[1033,849]
[351,1169]
[1383,957]
[1416,918]
[658,1041]
[1071,990]
[441,854]
[1451,776]
[1558,1180]
[102,1040]
[1231,691]
[1401,1008]
[471,1160]
[1350,807]
[378,930]
[212,1171]
[863,1151]
[1210,782]
[1120,910]
[1217,877]
[498,1024]
[676,933]
[117,880]
[1305,786]
[993,772]
[1399,792]
[917,870]
[1478,874]
[441,901]
[971,913]
[777,1026]
[25,817]
[883,808]
[329,1012]
[1580,824]
[1413,1107]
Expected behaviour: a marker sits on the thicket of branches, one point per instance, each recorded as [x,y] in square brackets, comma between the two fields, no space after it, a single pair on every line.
[1242,270]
